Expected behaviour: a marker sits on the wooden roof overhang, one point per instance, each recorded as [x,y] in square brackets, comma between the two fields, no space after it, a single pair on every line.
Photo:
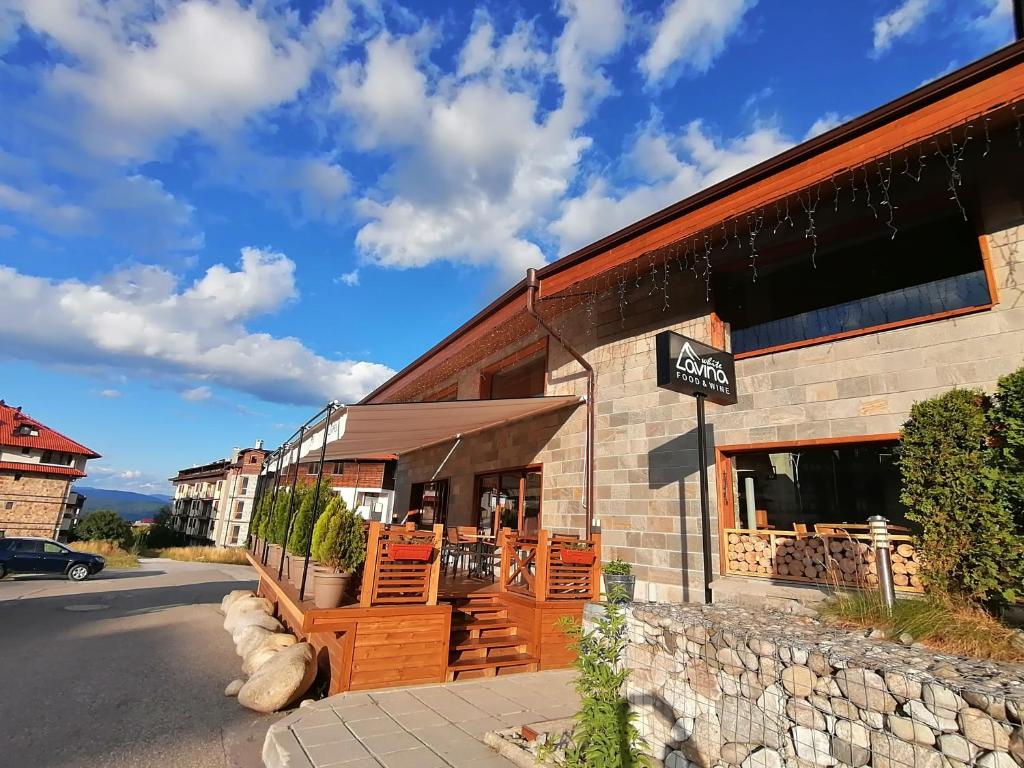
[980,88]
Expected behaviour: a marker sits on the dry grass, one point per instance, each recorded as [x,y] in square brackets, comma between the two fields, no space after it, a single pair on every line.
[225,555]
[939,622]
[109,550]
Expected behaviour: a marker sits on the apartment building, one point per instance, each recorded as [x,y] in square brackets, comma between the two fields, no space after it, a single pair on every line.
[366,484]
[37,467]
[213,502]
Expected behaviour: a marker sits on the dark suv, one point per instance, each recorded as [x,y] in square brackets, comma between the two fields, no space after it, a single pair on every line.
[28,554]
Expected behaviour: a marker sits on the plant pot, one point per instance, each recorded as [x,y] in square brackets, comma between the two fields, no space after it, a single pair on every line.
[578,556]
[295,563]
[330,588]
[619,589]
[274,557]
[419,553]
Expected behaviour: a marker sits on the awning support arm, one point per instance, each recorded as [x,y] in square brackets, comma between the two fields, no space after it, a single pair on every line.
[532,286]
[458,439]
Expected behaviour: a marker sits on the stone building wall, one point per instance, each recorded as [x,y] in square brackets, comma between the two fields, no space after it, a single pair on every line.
[646,448]
[716,687]
[37,504]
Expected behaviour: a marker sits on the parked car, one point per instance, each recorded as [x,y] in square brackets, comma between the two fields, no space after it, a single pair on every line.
[30,554]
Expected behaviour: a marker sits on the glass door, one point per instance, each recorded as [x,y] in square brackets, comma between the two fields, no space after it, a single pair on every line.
[509,499]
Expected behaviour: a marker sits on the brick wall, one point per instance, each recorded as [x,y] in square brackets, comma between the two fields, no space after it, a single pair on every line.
[38,504]
[646,461]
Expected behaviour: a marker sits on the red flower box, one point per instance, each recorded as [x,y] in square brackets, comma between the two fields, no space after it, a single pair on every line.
[419,553]
[578,556]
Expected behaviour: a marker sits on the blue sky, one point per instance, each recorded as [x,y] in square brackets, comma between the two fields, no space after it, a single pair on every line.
[216,216]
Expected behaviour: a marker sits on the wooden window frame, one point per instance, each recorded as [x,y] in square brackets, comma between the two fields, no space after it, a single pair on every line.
[443,395]
[522,471]
[487,373]
[993,291]
[410,507]
[724,471]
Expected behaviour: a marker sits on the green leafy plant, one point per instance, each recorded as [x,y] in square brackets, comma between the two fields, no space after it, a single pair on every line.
[106,525]
[579,546]
[1006,453]
[968,542]
[302,524]
[617,568]
[338,539]
[277,525]
[605,735]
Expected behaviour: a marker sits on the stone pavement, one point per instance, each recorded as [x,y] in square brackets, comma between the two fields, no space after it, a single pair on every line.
[433,726]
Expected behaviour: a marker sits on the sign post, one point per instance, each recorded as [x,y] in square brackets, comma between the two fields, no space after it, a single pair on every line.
[692,368]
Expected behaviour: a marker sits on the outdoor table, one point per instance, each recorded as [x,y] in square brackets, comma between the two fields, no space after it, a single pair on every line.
[479,555]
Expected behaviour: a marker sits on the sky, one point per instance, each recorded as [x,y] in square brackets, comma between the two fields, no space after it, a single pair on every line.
[217,215]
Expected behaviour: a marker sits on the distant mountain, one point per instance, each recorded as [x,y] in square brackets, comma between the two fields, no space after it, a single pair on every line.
[129,505]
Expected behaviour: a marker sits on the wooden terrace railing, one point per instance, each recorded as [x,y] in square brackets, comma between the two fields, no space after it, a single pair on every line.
[534,567]
[399,582]
[833,558]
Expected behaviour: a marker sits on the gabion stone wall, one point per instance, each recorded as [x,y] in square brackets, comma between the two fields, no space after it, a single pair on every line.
[723,686]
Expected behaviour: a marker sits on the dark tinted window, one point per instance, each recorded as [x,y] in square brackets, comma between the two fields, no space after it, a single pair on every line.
[525,379]
[6,543]
[28,545]
[932,268]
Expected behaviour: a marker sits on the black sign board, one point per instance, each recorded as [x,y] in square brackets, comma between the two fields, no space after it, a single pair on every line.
[687,366]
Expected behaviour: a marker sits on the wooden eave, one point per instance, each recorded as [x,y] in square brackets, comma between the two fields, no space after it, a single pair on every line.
[991,82]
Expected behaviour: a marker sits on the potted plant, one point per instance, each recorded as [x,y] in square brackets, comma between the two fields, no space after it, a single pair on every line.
[410,548]
[276,526]
[577,553]
[619,581]
[300,534]
[339,544]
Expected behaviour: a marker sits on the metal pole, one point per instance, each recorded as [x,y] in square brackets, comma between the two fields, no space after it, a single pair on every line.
[705,510]
[257,497]
[291,502]
[316,501]
[273,499]
[1018,19]
[879,528]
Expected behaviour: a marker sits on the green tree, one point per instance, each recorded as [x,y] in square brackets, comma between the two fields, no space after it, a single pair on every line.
[104,524]
[967,538]
[160,534]
[1006,454]
[338,538]
[277,525]
[302,524]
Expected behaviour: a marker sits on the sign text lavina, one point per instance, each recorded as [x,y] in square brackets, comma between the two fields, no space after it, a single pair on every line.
[686,365]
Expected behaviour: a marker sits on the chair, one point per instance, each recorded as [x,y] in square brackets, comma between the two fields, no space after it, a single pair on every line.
[454,553]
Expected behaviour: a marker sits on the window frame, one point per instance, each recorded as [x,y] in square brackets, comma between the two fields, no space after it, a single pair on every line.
[487,374]
[993,291]
[522,471]
[725,498]
[414,500]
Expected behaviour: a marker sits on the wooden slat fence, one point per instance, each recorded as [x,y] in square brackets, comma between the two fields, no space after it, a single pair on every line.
[397,582]
[830,559]
[533,567]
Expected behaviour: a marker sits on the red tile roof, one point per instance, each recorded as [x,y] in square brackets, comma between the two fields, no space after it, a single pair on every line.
[29,468]
[47,439]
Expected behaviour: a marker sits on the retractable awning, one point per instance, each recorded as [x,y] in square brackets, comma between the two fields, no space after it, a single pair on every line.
[360,430]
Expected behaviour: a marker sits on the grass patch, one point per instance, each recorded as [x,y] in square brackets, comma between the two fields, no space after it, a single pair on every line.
[941,623]
[224,555]
[109,550]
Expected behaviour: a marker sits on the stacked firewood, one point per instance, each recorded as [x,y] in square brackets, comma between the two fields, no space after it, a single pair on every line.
[830,559]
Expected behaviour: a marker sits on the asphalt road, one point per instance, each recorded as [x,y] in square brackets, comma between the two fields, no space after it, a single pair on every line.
[134,680]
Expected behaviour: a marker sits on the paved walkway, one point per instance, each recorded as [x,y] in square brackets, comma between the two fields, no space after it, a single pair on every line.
[434,726]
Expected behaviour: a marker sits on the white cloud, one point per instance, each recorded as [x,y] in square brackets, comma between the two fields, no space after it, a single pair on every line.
[349,278]
[112,394]
[995,21]
[670,167]
[139,319]
[690,35]
[197,394]
[825,123]
[6,230]
[899,23]
[478,163]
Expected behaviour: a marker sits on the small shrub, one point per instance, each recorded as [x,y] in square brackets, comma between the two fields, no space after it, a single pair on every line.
[223,555]
[277,525]
[302,524]
[617,568]
[1006,456]
[605,735]
[967,539]
[105,525]
[338,538]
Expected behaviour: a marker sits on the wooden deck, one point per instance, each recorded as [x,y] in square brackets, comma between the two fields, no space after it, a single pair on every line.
[442,627]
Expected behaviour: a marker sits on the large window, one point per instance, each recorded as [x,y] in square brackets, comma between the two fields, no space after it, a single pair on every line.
[521,374]
[931,269]
[509,499]
[428,503]
[789,487]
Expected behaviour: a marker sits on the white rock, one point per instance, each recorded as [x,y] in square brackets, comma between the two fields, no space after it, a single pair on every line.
[918,712]
[682,730]
[763,758]
[676,760]
[772,701]
[813,746]
[799,681]
[281,680]
[249,637]
[941,701]
[232,596]
[996,760]
[955,746]
[911,730]
[901,686]
[866,689]
[246,605]
[982,730]
[889,752]
[851,744]
[253,619]
[234,687]
[257,659]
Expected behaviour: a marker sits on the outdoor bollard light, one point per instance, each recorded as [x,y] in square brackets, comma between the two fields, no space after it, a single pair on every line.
[879,528]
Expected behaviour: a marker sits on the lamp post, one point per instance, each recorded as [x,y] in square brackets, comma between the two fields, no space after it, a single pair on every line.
[879,528]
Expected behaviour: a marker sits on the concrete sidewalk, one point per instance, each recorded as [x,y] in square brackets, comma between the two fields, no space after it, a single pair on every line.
[433,726]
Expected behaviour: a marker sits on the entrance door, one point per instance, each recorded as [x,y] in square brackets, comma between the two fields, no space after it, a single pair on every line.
[509,499]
